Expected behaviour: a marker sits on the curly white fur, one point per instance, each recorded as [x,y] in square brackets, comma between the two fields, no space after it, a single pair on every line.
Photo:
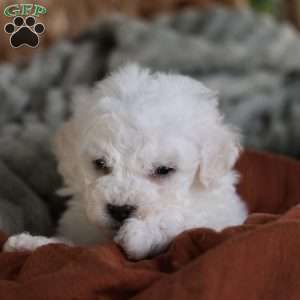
[137,120]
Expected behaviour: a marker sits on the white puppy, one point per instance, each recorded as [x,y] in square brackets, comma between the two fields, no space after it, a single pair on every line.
[145,156]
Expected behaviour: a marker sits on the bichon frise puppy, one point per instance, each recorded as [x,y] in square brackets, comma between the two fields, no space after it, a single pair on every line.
[145,157]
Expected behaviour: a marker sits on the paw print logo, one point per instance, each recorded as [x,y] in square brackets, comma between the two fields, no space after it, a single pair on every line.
[24,32]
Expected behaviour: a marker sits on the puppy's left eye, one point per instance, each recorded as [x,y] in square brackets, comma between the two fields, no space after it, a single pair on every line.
[101,165]
[163,171]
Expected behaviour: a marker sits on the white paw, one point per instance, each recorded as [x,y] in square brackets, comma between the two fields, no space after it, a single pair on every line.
[141,238]
[136,238]
[25,241]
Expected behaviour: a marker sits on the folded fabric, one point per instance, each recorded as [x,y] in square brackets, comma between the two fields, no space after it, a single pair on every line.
[257,260]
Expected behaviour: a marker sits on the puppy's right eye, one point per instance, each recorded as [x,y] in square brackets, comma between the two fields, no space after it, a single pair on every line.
[163,171]
[101,165]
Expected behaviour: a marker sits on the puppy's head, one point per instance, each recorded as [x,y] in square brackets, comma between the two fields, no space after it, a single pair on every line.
[141,141]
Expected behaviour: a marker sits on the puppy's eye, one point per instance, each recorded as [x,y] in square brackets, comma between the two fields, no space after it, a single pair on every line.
[163,171]
[101,165]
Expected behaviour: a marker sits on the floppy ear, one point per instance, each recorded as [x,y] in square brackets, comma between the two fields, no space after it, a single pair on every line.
[65,150]
[66,139]
[219,154]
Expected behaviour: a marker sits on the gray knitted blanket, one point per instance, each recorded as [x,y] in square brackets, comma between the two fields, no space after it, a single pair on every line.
[251,60]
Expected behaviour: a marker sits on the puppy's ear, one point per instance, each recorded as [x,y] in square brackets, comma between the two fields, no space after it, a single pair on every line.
[219,154]
[64,148]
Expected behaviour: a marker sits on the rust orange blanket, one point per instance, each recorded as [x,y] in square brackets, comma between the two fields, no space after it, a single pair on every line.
[258,260]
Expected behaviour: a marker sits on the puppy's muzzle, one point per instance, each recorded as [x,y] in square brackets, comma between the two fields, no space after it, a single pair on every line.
[120,213]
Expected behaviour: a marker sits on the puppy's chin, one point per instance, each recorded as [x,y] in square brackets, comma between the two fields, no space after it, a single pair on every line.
[115,227]
[111,228]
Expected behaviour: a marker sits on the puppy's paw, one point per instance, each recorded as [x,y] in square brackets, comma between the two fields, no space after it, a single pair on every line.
[141,238]
[135,238]
[27,242]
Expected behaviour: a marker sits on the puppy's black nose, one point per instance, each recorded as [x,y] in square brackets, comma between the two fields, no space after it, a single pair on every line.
[120,213]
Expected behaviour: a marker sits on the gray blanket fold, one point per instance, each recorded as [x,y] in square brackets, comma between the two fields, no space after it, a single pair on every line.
[251,60]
